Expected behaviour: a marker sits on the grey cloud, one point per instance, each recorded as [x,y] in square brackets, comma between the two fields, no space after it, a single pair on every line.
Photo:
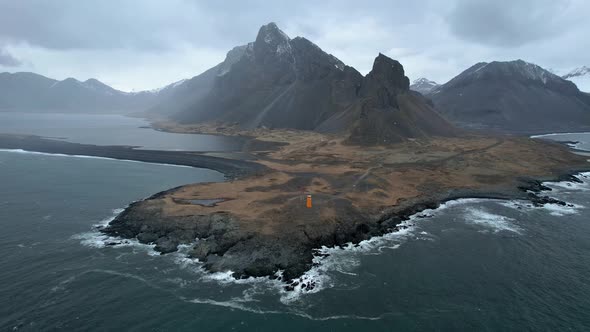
[133,43]
[507,23]
[7,60]
[160,25]
[134,24]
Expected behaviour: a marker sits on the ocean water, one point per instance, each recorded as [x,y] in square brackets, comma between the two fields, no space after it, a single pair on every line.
[582,139]
[472,264]
[110,130]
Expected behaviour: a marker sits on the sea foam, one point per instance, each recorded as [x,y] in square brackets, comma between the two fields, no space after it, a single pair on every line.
[495,222]
[96,239]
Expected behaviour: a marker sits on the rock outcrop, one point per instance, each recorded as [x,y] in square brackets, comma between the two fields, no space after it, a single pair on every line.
[387,111]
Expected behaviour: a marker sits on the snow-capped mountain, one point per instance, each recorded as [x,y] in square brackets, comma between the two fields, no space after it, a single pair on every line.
[513,96]
[423,85]
[581,77]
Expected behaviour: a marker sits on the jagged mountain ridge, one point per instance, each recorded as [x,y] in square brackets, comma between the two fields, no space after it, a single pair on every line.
[386,111]
[514,97]
[279,82]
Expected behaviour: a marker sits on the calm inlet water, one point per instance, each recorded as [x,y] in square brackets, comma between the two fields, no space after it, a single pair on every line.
[470,265]
[579,141]
[110,130]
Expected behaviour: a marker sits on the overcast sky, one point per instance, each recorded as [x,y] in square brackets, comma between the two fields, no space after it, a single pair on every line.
[145,44]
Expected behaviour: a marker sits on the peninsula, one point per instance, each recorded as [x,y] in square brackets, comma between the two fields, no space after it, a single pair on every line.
[259,224]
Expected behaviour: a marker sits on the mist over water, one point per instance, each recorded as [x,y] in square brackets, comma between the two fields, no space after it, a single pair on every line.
[469,265]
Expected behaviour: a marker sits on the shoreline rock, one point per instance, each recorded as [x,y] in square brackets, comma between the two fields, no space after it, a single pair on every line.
[222,245]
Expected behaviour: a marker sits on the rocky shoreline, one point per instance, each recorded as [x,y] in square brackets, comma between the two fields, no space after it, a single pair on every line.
[260,225]
[257,224]
[223,246]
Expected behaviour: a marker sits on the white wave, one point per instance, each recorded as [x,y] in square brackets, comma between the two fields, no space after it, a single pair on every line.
[570,185]
[558,134]
[86,157]
[97,239]
[497,223]
[341,260]
[553,209]
[562,210]
[329,264]
[344,260]
[518,205]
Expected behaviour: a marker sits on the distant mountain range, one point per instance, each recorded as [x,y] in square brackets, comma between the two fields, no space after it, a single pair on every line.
[279,82]
[514,96]
[32,92]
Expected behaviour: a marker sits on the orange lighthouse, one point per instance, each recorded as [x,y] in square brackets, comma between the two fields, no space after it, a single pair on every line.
[308,202]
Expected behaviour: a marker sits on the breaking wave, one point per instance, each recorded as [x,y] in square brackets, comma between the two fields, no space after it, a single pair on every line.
[486,219]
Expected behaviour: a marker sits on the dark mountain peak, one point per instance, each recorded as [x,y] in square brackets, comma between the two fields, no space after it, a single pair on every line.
[388,112]
[385,81]
[517,68]
[271,47]
[515,71]
[270,33]
[271,41]
[389,72]
[512,96]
